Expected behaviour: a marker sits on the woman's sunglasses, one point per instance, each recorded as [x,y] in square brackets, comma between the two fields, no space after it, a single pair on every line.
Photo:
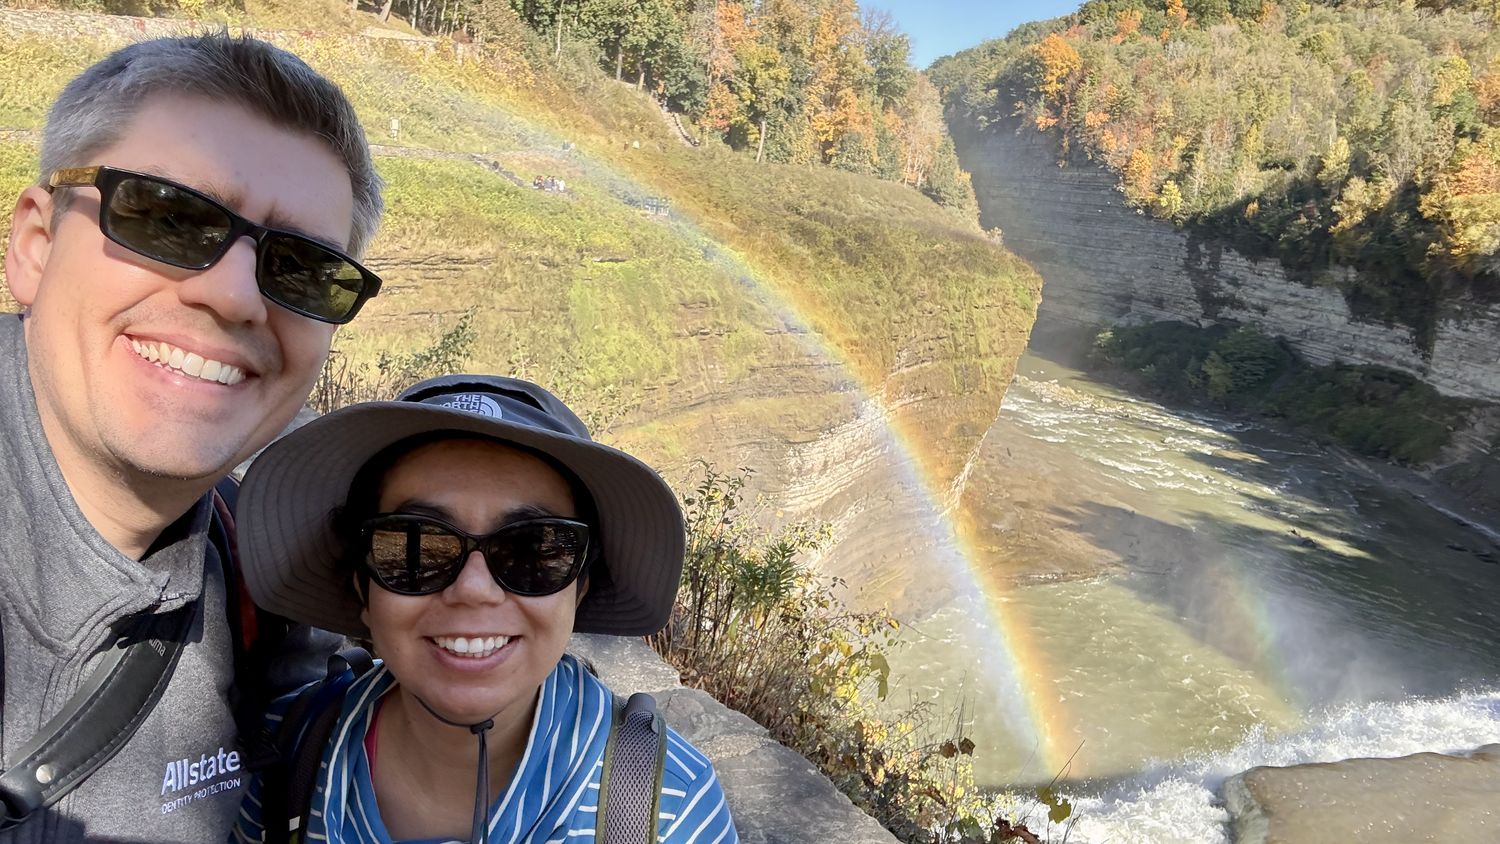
[177,225]
[420,555]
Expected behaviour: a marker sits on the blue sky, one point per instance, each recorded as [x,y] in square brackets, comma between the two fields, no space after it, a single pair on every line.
[940,27]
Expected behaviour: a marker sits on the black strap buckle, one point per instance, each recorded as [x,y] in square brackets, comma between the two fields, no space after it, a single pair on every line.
[20,795]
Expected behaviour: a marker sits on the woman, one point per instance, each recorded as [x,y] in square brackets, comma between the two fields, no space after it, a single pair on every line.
[466,530]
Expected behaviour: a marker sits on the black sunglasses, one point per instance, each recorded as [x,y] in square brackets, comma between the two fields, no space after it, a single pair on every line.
[419,555]
[177,225]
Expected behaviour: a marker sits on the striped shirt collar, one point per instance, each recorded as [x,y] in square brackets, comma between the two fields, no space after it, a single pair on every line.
[558,765]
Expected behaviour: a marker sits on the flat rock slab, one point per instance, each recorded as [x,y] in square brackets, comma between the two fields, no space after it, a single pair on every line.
[1425,797]
[625,663]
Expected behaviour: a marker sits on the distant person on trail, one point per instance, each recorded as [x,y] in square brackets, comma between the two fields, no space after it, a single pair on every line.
[466,530]
[182,263]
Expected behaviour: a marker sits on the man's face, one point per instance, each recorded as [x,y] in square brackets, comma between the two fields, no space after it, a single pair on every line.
[97,309]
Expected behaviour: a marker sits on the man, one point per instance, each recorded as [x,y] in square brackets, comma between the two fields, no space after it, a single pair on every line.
[182,266]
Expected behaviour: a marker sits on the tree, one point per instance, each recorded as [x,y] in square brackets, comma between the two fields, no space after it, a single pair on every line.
[1169,201]
[1140,178]
[920,132]
[763,86]
[834,105]
[948,184]
[889,54]
[1464,202]
[1208,11]
[1049,70]
[1177,13]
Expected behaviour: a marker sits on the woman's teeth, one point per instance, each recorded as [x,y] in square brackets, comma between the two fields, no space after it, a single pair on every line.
[188,363]
[473,648]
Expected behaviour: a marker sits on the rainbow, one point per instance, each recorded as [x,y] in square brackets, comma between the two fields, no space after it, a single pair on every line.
[1017,667]
[1017,664]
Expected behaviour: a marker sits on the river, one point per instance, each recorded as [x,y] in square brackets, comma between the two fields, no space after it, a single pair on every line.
[1181,597]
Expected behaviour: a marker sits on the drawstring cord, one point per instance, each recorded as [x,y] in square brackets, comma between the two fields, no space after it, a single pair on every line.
[482,788]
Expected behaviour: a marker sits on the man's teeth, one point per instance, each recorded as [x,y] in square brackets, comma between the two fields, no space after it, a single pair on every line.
[473,648]
[188,363]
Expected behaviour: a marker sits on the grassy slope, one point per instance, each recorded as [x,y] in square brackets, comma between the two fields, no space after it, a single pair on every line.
[887,278]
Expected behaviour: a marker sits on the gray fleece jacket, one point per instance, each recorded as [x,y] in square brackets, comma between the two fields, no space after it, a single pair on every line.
[63,588]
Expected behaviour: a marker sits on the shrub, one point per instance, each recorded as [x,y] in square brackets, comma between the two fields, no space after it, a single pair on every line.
[757,629]
[1374,411]
[345,380]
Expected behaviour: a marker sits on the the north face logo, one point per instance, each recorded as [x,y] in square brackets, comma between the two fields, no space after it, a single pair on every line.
[474,403]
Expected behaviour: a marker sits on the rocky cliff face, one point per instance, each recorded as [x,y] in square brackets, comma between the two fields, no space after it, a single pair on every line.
[884,464]
[1104,263]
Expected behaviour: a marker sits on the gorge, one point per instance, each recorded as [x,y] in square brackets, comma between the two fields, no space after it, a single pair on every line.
[1105,263]
[1247,597]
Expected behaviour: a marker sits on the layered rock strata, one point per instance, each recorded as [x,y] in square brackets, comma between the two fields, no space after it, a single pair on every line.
[1105,263]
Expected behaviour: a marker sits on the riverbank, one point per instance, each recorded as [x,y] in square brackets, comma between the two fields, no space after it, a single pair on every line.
[1461,480]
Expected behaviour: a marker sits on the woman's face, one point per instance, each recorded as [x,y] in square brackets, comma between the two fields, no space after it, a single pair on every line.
[477,486]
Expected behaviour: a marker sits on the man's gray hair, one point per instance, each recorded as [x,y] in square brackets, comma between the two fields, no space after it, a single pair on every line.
[97,106]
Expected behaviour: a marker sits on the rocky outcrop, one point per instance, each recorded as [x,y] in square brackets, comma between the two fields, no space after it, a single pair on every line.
[1425,797]
[775,795]
[1104,263]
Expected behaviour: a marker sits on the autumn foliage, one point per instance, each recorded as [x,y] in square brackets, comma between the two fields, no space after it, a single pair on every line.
[797,81]
[1356,132]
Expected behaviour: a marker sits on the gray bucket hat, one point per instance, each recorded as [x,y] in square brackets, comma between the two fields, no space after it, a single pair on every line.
[286,505]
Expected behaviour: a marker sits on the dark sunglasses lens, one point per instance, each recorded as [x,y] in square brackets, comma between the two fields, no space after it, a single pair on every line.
[165,222]
[310,278]
[413,557]
[536,559]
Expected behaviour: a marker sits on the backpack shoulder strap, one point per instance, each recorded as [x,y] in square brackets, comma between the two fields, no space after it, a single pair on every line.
[224,535]
[99,719]
[255,634]
[289,782]
[630,789]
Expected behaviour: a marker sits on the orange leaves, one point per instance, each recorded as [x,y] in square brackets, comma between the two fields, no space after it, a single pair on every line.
[733,28]
[1109,142]
[836,109]
[1464,201]
[1140,177]
[1058,61]
[1177,12]
[724,107]
[1053,67]
[1478,171]
[1487,92]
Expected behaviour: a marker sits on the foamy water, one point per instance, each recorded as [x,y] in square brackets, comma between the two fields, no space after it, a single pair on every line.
[1177,803]
[1262,605]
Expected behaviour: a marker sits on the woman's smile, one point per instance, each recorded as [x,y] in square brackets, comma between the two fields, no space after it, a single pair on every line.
[502,645]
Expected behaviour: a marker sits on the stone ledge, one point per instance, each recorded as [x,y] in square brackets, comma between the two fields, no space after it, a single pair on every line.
[1423,797]
[776,795]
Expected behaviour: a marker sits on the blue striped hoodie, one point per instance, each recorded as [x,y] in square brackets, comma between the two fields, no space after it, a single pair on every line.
[553,797]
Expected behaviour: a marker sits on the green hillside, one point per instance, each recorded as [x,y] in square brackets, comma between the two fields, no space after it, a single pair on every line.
[1357,132]
[584,288]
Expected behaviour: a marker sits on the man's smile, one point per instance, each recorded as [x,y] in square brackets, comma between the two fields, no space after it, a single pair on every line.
[172,357]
